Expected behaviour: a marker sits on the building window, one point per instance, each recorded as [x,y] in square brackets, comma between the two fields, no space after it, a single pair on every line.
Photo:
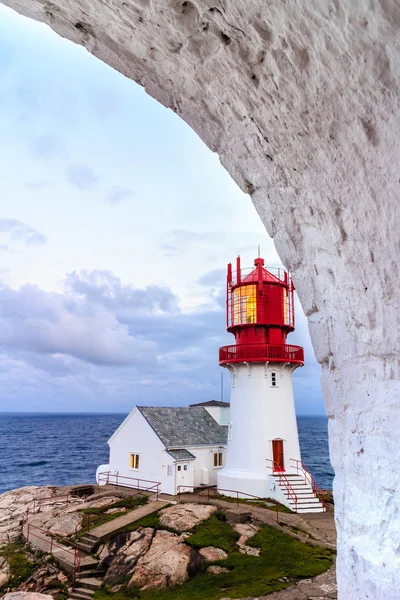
[273,379]
[217,459]
[185,467]
[230,431]
[134,461]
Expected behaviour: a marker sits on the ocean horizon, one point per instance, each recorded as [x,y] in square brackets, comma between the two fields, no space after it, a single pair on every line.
[53,448]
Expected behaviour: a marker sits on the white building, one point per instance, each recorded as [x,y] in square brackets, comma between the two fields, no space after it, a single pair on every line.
[181,448]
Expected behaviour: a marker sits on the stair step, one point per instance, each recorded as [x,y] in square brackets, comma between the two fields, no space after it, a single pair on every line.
[88,573]
[305,505]
[90,538]
[318,509]
[78,595]
[90,582]
[89,562]
[83,591]
[85,547]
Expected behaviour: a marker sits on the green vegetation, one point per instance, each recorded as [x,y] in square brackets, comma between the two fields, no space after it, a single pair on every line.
[93,517]
[152,520]
[281,556]
[215,531]
[22,563]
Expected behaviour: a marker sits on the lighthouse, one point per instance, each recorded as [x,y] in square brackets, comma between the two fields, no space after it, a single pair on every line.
[263,451]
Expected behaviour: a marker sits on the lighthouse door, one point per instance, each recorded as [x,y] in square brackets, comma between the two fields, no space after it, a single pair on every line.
[183,477]
[277,455]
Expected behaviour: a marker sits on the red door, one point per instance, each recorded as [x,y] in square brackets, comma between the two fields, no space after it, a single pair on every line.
[277,455]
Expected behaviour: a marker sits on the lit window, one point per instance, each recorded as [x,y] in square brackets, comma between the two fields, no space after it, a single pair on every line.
[134,461]
[273,379]
[217,459]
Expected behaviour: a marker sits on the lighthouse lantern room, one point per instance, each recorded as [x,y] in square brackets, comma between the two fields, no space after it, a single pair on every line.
[263,452]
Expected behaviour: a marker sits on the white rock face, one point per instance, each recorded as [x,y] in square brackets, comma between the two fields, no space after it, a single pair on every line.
[301,102]
[183,517]
[14,505]
[26,596]
[4,571]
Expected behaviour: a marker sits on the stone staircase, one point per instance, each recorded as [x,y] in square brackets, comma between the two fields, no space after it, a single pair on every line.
[88,543]
[84,588]
[89,577]
[307,500]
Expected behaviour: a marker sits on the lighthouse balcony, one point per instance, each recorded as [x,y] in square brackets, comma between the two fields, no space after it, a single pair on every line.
[261,353]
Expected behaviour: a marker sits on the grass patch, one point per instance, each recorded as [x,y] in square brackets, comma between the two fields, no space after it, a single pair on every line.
[152,520]
[281,556]
[215,531]
[22,563]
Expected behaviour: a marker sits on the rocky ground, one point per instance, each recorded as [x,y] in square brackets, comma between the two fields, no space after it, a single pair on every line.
[152,556]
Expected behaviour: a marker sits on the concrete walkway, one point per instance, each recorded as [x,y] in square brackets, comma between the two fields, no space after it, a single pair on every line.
[120,522]
[34,534]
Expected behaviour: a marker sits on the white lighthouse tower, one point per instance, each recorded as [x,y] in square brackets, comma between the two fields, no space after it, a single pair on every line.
[263,453]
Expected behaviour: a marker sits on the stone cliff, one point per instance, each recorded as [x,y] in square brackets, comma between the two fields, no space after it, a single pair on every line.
[300,100]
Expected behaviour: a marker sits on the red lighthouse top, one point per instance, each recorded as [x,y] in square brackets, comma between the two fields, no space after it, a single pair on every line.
[260,314]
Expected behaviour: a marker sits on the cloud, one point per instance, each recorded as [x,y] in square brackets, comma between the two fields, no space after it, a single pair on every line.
[46,147]
[209,243]
[110,345]
[82,176]
[37,185]
[19,231]
[34,321]
[103,287]
[118,194]
[216,277]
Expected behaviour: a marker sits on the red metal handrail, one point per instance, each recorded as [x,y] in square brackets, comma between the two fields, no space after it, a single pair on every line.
[75,552]
[283,480]
[237,492]
[37,502]
[300,466]
[106,475]
[261,353]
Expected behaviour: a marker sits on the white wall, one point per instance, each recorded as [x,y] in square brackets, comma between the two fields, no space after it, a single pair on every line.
[205,458]
[136,436]
[259,413]
[219,413]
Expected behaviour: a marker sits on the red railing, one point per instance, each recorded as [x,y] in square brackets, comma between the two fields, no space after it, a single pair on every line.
[309,478]
[140,485]
[283,481]
[218,490]
[51,540]
[261,353]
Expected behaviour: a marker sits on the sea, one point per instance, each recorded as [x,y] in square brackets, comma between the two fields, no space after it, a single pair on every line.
[66,449]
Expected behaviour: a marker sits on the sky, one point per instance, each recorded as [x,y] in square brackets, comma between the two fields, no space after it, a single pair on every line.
[116,225]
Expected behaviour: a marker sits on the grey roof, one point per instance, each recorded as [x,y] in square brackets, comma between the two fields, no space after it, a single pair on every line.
[211,403]
[180,427]
[181,454]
